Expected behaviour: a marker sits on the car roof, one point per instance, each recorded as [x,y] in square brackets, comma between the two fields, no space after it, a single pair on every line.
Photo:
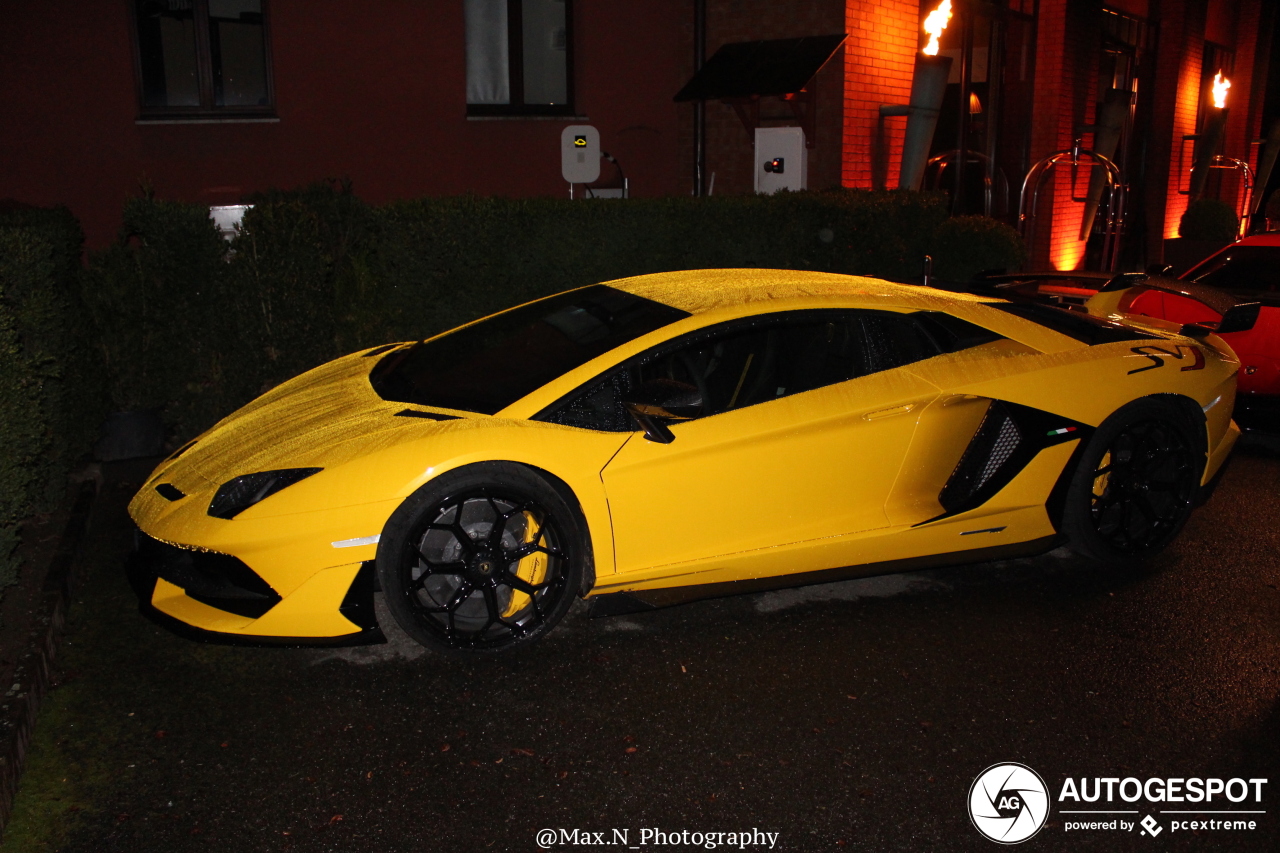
[1266,239]
[1269,238]
[700,291]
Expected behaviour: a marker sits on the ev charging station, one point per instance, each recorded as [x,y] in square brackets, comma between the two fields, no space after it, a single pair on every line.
[579,155]
[782,159]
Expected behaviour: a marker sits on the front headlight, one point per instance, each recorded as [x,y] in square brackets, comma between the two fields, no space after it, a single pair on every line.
[235,496]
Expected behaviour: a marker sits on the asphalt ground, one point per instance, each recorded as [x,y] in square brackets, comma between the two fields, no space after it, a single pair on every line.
[852,716]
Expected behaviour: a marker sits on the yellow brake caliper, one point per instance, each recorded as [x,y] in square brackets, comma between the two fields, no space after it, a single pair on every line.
[1101,481]
[531,569]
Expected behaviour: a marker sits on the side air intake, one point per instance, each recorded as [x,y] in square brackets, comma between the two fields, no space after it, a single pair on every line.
[1009,437]
[979,472]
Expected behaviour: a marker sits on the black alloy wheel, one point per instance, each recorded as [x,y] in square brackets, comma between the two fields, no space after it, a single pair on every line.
[1136,484]
[484,559]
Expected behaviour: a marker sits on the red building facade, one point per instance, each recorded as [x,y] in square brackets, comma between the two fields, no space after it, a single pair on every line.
[376,92]
[401,98]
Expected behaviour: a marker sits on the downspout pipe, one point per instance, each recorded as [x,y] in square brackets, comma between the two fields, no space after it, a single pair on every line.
[699,107]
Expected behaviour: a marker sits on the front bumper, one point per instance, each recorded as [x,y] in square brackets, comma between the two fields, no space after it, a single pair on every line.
[216,598]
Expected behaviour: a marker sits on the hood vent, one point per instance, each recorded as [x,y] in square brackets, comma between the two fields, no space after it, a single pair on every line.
[170,492]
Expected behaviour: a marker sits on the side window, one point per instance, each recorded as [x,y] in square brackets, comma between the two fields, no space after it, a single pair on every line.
[597,405]
[952,334]
[894,340]
[746,362]
[763,359]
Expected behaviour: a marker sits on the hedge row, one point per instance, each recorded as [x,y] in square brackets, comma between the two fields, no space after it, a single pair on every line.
[195,327]
[52,391]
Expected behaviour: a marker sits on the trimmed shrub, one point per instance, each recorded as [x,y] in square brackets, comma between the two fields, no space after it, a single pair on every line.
[195,327]
[1209,219]
[51,399]
[435,263]
[966,245]
[157,299]
[23,432]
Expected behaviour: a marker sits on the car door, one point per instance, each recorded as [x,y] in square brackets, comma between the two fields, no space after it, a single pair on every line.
[807,421]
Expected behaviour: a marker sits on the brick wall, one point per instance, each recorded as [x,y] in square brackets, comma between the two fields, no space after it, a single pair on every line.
[1183,33]
[1186,107]
[856,148]
[1244,123]
[884,36]
[1066,94]
[730,148]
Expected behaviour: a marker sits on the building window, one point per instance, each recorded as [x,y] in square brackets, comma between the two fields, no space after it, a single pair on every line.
[519,57]
[203,58]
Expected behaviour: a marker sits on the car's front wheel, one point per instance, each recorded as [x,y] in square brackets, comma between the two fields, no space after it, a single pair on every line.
[487,558]
[1135,485]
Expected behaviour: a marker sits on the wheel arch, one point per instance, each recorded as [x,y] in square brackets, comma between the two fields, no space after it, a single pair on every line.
[483,568]
[571,498]
[557,483]
[1189,410]
[1193,415]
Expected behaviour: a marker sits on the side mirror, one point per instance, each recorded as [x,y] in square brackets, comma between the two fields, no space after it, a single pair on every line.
[659,401]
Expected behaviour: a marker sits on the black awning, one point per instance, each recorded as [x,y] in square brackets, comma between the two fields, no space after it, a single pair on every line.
[758,68]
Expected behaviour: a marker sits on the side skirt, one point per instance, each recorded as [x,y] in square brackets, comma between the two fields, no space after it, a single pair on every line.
[639,600]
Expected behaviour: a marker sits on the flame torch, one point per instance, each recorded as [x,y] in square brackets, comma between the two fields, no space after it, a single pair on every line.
[1209,139]
[928,87]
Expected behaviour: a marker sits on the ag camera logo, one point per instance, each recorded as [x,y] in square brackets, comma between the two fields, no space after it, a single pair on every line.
[1008,803]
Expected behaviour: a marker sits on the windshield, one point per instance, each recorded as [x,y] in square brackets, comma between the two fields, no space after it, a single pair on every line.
[1247,269]
[487,366]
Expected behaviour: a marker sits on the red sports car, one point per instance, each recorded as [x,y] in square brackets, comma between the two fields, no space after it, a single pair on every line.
[1247,271]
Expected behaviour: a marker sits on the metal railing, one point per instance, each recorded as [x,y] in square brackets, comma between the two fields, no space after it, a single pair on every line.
[1112,219]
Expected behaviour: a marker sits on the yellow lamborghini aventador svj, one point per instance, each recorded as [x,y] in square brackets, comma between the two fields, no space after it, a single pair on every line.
[669,437]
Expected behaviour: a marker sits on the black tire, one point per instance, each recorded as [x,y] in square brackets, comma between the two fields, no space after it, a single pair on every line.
[487,558]
[1135,485]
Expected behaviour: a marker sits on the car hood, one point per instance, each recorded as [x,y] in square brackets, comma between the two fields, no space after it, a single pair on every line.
[323,418]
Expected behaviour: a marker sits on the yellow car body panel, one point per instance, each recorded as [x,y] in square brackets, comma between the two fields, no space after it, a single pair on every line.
[848,474]
[783,471]
[1019,508]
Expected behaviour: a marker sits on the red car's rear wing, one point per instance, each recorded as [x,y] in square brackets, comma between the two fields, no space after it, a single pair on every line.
[1115,289]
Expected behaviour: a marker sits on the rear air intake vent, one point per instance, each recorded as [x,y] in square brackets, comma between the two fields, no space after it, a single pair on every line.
[977,476]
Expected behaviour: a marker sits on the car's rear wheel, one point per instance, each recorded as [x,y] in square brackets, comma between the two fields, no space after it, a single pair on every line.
[1135,485]
[487,558]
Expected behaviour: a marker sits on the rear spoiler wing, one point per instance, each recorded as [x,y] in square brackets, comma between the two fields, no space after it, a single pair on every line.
[1237,315]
